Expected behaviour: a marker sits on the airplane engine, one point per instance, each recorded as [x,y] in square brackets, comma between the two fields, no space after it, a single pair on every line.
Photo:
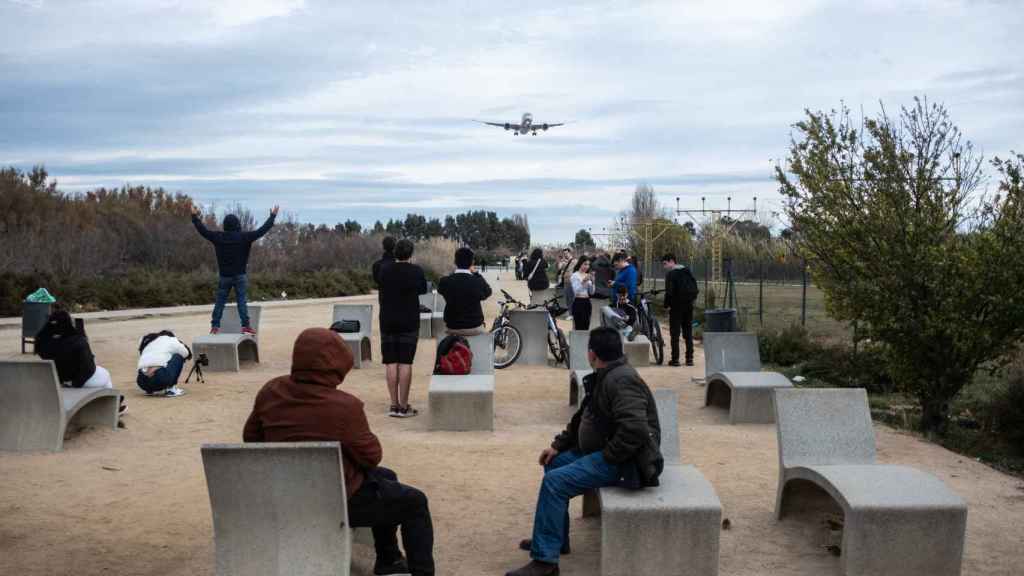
[506,126]
[545,127]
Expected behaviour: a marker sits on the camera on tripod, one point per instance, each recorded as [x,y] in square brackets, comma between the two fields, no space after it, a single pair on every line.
[202,360]
[198,362]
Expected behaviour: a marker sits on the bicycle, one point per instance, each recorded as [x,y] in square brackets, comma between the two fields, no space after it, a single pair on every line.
[508,340]
[648,325]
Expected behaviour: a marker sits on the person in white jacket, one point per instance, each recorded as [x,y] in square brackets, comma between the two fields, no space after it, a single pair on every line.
[162,356]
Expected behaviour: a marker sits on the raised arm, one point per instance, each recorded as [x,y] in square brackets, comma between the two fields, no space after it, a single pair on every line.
[262,230]
[198,223]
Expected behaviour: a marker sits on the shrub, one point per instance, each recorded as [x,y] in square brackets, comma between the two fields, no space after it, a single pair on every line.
[786,347]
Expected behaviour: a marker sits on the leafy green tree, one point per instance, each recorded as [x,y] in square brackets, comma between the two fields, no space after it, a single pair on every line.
[887,215]
[584,241]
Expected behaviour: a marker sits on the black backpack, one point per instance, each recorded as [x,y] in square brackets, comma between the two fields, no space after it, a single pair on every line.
[346,326]
[690,287]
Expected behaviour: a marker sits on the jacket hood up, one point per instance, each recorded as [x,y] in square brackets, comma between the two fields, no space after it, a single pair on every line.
[320,357]
[232,223]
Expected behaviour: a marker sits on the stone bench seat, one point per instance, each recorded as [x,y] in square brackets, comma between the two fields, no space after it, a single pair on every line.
[229,349]
[579,365]
[358,342]
[897,521]
[747,395]
[463,403]
[638,352]
[35,410]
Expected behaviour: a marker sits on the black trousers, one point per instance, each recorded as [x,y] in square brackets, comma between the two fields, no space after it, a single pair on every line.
[680,318]
[581,308]
[383,504]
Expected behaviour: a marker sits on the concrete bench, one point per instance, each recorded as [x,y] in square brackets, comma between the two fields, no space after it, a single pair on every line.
[533,330]
[637,352]
[731,352]
[897,521]
[668,529]
[465,402]
[35,410]
[279,508]
[579,364]
[230,349]
[358,342]
[438,329]
[425,317]
[747,395]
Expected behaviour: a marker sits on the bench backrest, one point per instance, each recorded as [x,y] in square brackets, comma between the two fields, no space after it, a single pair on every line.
[31,410]
[822,426]
[667,401]
[360,312]
[439,302]
[278,508]
[230,322]
[427,300]
[731,352]
[579,342]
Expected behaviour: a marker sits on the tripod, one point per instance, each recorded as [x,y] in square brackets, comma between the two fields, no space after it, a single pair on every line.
[197,369]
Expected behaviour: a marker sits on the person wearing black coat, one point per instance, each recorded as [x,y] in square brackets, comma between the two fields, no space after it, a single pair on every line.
[232,246]
[464,290]
[537,271]
[680,292]
[603,274]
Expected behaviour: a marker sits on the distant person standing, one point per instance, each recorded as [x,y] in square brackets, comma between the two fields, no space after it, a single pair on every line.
[566,268]
[680,292]
[232,246]
[601,266]
[537,272]
[582,285]
[464,290]
[401,284]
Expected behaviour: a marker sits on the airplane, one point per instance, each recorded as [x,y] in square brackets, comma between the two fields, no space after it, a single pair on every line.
[524,127]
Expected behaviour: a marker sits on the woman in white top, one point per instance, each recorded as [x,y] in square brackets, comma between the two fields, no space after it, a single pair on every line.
[582,289]
[161,359]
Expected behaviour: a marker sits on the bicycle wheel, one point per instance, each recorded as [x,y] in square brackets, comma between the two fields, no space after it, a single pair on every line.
[657,342]
[563,346]
[555,346]
[507,346]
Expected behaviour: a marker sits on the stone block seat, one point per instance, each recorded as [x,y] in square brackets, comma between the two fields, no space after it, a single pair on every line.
[279,508]
[462,403]
[637,352]
[35,410]
[438,329]
[426,300]
[579,365]
[897,520]
[358,342]
[665,530]
[229,350]
[533,332]
[734,378]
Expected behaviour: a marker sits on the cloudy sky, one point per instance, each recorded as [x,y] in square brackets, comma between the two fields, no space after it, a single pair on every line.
[364,110]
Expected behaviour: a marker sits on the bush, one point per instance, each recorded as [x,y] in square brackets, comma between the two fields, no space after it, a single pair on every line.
[787,347]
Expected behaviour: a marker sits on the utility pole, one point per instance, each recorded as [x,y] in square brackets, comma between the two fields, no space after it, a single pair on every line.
[717,230]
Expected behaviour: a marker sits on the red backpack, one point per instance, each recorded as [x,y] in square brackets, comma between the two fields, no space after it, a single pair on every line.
[454,358]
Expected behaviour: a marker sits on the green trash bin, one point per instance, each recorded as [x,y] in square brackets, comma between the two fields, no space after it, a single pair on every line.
[34,312]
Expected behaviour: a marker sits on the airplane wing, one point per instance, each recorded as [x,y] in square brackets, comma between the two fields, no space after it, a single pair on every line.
[536,124]
[507,126]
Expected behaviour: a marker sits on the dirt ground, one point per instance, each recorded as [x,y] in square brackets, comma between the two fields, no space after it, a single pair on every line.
[134,501]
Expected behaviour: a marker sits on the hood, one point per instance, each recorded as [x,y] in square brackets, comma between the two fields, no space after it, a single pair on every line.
[320,357]
[232,223]
[60,323]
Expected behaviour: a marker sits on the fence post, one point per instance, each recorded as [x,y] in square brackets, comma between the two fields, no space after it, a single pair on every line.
[760,295]
[803,299]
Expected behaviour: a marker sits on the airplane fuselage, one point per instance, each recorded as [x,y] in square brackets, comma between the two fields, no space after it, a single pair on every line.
[526,124]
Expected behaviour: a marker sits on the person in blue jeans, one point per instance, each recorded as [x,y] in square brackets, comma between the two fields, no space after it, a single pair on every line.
[162,357]
[612,440]
[232,246]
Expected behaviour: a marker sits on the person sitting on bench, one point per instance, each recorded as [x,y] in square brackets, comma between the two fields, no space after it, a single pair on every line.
[307,406]
[623,315]
[67,345]
[463,291]
[161,358]
[613,439]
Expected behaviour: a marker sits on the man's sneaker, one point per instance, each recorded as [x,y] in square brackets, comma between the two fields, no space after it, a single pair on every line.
[394,411]
[173,392]
[394,567]
[215,330]
[689,362]
[674,363]
[407,411]
[122,408]
[248,331]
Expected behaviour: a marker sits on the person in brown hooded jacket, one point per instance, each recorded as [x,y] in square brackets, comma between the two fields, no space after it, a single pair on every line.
[307,406]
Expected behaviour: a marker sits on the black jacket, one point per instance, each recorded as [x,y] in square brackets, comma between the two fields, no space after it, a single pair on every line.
[625,406]
[379,266]
[680,288]
[69,349]
[539,280]
[232,245]
[463,294]
[401,283]
[603,273]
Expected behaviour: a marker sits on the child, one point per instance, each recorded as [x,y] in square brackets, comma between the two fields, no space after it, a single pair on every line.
[623,316]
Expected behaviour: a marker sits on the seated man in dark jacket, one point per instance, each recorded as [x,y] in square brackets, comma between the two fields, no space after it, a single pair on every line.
[613,439]
[307,406]
[232,247]
[463,291]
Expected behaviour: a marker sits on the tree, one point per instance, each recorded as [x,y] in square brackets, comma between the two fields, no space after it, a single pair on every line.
[353,227]
[378,227]
[887,217]
[584,241]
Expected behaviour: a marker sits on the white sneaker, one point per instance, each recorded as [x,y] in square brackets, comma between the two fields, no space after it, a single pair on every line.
[174,392]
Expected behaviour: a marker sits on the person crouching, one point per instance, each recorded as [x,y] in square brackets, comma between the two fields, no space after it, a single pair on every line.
[162,356]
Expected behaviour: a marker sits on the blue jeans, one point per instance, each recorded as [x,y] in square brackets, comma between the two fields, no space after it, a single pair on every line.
[163,378]
[568,474]
[224,286]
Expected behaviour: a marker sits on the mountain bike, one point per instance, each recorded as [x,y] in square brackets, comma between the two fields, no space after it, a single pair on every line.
[508,340]
[648,325]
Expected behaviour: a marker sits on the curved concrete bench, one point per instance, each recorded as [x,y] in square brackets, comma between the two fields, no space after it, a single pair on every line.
[229,349]
[35,410]
[747,395]
[533,332]
[898,521]
[669,529]
[461,403]
[438,329]
[358,342]
[579,364]
[731,352]
[279,508]
[425,317]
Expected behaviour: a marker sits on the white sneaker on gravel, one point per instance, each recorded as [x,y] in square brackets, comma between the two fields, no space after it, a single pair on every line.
[174,392]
